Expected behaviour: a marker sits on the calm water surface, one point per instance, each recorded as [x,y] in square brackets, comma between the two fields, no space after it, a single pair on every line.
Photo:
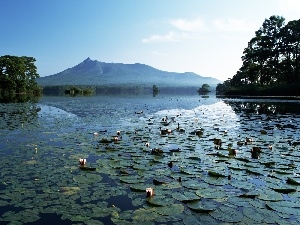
[41,182]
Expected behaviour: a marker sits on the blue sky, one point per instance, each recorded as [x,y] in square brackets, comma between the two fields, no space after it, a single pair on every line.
[202,36]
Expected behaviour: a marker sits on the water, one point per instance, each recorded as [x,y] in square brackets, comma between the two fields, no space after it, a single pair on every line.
[41,143]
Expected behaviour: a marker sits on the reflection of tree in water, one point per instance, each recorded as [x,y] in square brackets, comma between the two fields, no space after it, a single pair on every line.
[13,116]
[17,98]
[268,108]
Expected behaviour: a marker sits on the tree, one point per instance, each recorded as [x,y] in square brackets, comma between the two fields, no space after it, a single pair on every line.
[18,74]
[155,90]
[262,53]
[204,89]
[290,50]
[271,60]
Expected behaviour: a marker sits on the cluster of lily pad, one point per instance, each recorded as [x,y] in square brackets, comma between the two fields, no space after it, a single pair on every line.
[193,180]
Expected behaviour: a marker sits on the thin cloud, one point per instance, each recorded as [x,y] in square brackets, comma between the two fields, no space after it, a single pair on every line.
[169,37]
[234,25]
[289,5]
[234,38]
[194,25]
[157,53]
[195,29]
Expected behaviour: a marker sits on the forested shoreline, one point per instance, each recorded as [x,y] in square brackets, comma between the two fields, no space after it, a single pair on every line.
[18,84]
[117,90]
[271,62]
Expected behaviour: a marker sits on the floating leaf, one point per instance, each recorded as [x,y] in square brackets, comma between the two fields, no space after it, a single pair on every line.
[253,214]
[202,218]
[157,200]
[87,168]
[138,187]
[270,195]
[285,207]
[131,179]
[69,190]
[238,201]
[170,210]
[185,197]
[243,184]
[211,193]
[161,180]
[194,184]
[284,190]
[216,174]
[190,219]
[227,214]
[250,194]
[202,206]
[218,181]
[293,180]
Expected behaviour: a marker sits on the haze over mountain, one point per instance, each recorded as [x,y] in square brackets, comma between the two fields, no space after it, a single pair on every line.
[95,73]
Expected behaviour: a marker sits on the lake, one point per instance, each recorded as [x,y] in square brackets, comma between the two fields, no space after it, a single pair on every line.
[177,145]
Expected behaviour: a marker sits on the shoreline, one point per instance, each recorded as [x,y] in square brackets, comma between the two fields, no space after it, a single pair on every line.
[259,97]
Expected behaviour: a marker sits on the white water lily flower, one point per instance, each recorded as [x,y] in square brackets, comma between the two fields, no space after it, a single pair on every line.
[149,192]
[82,161]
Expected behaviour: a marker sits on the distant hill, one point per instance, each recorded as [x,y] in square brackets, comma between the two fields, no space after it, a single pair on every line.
[95,73]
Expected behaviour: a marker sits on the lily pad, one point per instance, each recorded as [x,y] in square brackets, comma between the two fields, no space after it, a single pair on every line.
[69,190]
[243,184]
[161,180]
[253,214]
[138,187]
[131,179]
[170,210]
[216,173]
[270,195]
[144,215]
[212,193]
[284,190]
[227,214]
[250,194]
[202,206]
[185,197]
[157,200]
[293,180]
[285,207]
[199,219]
[194,184]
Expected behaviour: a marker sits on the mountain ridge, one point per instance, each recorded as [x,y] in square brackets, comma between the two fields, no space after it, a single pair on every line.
[97,73]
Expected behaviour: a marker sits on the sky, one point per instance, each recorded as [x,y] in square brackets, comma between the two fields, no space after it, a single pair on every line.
[206,37]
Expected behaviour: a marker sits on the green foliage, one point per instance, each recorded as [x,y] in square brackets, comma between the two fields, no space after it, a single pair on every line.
[18,75]
[75,90]
[204,89]
[271,60]
[69,90]
[155,90]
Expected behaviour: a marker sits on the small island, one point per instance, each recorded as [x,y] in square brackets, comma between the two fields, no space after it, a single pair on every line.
[204,90]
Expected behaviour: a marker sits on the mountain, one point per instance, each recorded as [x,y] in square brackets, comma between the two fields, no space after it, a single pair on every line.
[95,73]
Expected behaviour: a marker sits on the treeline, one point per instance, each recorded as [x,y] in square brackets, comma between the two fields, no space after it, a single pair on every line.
[68,90]
[90,90]
[116,90]
[271,62]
